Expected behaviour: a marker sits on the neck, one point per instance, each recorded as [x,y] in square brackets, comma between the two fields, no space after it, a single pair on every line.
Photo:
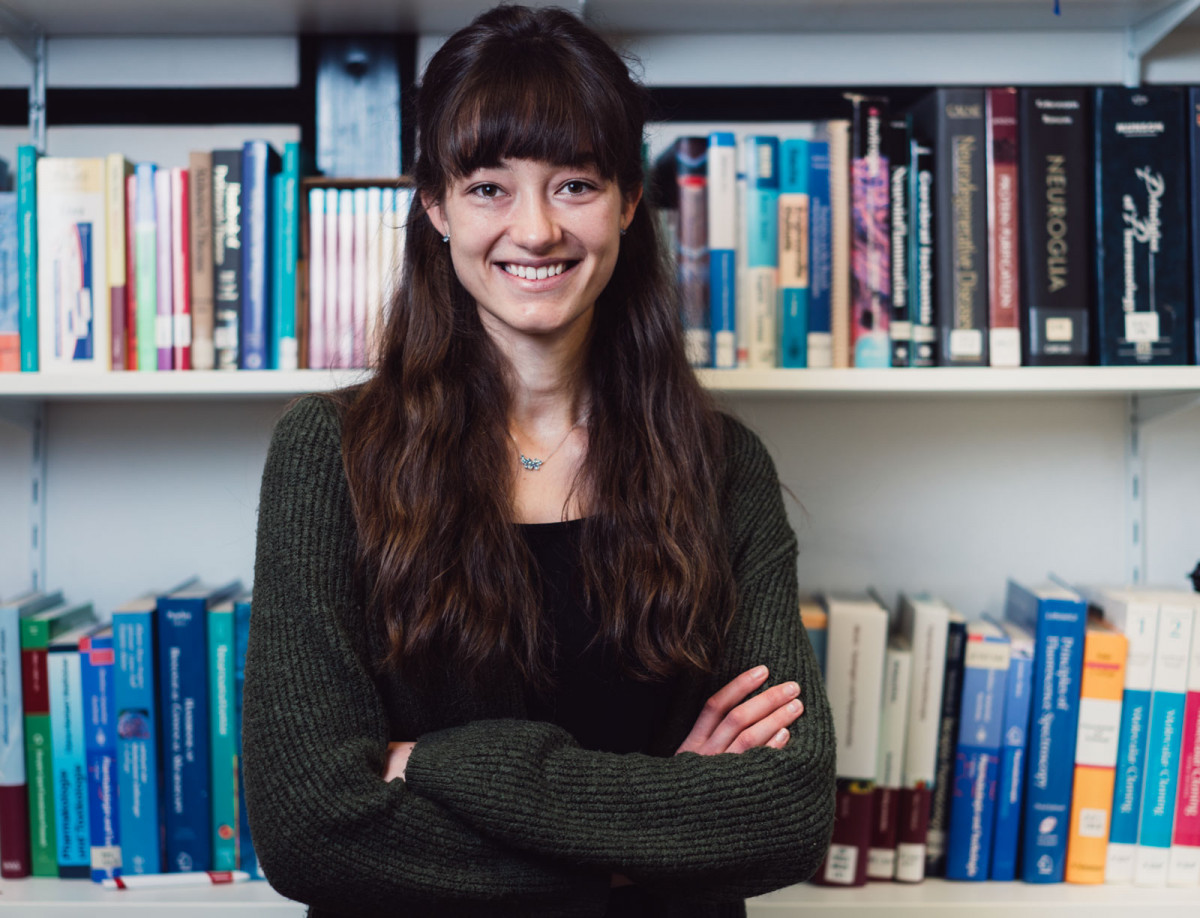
[548,389]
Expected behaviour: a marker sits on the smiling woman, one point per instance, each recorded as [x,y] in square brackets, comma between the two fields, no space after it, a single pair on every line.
[526,636]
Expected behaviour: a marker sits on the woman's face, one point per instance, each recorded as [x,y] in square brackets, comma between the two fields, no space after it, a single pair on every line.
[534,243]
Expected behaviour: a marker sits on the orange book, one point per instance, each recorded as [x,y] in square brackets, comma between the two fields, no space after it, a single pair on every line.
[1101,689]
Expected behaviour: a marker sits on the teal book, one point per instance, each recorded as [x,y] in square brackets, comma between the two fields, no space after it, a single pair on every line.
[285,245]
[27,255]
[222,735]
[794,225]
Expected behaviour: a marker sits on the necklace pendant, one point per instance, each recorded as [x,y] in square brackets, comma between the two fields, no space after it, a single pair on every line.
[531,465]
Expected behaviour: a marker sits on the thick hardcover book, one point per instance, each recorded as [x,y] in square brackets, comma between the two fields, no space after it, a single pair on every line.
[756,326]
[1004,315]
[10,301]
[953,120]
[1104,654]
[73,311]
[139,791]
[857,644]
[1010,783]
[925,624]
[146,278]
[977,752]
[36,633]
[164,324]
[722,247]
[117,170]
[871,235]
[889,773]
[200,257]
[820,258]
[1184,866]
[1164,741]
[793,253]
[14,801]
[691,188]
[1057,281]
[222,735]
[260,162]
[1056,617]
[72,816]
[1141,226]
[227,255]
[939,804]
[183,700]
[181,271]
[896,142]
[97,659]
[27,255]
[922,303]
[285,347]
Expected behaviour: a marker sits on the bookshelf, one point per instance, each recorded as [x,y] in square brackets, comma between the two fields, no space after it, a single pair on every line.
[942,479]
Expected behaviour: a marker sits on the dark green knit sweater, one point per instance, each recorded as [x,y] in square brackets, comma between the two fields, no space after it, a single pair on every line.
[500,815]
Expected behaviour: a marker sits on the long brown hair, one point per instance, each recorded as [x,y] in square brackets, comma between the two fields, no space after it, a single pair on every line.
[425,443]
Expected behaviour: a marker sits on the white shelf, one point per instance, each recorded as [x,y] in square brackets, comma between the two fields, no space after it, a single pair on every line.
[46,898]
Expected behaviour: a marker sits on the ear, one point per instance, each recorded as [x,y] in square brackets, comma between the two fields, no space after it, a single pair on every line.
[630,206]
[433,209]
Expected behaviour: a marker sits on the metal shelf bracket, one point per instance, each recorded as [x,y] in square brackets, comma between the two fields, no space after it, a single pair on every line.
[1142,37]
[30,41]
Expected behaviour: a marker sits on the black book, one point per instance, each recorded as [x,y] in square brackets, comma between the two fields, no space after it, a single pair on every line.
[1056,277]
[227,255]
[939,812]
[1141,226]
[953,121]
[922,283]
[895,143]
[1194,150]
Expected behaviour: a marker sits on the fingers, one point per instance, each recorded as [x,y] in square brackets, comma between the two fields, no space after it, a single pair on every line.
[719,705]
[770,730]
[757,720]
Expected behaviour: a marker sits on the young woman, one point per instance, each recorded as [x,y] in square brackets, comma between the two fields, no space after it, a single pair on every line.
[526,636]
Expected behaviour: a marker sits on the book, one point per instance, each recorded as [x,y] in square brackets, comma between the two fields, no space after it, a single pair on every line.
[247,860]
[285,346]
[222,734]
[117,170]
[375,276]
[1141,226]
[1183,868]
[948,718]
[953,121]
[37,630]
[181,270]
[1010,781]
[1164,739]
[333,280]
[72,815]
[977,752]
[870,222]
[793,253]
[925,624]
[317,261]
[73,312]
[260,162]
[164,324]
[922,303]
[1057,299]
[816,626]
[1056,616]
[10,297]
[889,771]
[184,706]
[227,256]
[691,188]
[1193,132]
[820,258]
[1104,654]
[358,312]
[97,667]
[200,257]
[14,799]
[27,256]
[1004,228]
[146,266]
[899,154]
[757,307]
[856,648]
[837,135]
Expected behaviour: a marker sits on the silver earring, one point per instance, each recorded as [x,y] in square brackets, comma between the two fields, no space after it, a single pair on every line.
[624,230]
[446,238]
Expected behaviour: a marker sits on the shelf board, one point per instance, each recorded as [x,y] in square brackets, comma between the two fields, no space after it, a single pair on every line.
[942,381]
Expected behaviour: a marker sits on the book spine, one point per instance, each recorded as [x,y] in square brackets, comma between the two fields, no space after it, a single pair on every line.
[691,180]
[222,737]
[939,807]
[375,280]
[1193,133]
[1164,744]
[820,258]
[333,201]
[200,258]
[1184,866]
[10,309]
[183,698]
[358,319]
[756,330]
[71,813]
[27,256]
[116,169]
[317,261]
[138,774]
[164,325]
[147,268]
[181,271]
[1141,226]
[253,350]
[870,226]
[14,808]
[889,775]
[131,273]
[846,862]
[1057,289]
[793,254]
[35,696]
[899,188]
[1004,332]
[227,256]
[99,711]
[344,337]
[838,133]
[246,858]
[922,302]
[1010,783]
[284,338]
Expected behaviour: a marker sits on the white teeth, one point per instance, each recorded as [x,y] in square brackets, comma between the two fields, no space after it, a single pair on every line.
[531,273]
[541,273]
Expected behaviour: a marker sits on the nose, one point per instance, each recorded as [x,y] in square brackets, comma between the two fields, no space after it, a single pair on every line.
[534,226]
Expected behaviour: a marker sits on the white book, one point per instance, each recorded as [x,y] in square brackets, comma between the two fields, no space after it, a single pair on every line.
[374,278]
[316,279]
[181,272]
[362,231]
[723,210]
[344,338]
[333,201]
[857,645]
[889,769]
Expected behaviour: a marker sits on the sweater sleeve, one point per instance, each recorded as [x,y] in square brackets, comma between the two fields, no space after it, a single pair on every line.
[724,826]
[328,830]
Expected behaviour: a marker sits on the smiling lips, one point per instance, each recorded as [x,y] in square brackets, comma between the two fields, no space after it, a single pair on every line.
[529,272]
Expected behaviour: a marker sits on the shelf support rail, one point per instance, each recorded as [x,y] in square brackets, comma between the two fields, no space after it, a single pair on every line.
[1142,37]
[30,41]
[31,417]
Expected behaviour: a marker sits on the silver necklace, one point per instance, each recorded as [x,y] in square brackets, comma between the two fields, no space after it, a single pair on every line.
[529,463]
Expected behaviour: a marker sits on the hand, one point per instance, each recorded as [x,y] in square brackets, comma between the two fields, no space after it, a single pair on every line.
[724,725]
[397,760]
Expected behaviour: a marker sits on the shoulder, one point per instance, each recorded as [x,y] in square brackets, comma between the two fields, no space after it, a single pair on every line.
[309,418]
[747,462]
[752,497]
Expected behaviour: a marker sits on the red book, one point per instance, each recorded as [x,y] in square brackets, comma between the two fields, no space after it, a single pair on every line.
[131,358]
[181,273]
[912,832]
[1004,334]
[846,862]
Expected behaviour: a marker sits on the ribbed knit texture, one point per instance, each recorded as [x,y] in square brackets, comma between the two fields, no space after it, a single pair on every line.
[500,815]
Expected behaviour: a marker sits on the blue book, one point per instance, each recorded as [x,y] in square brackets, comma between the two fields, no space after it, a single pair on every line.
[757,309]
[722,247]
[247,860]
[71,813]
[27,255]
[97,659]
[1010,784]
[1194,151]
[139,776]
[820,258]
[285,244]
[259,164]
[794,225]
[977,752]
[1057,618]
